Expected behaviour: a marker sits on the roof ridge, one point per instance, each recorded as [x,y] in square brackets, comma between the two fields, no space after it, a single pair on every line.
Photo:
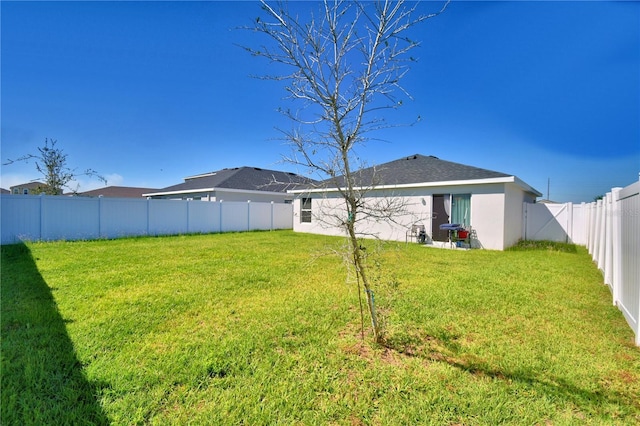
[418,168]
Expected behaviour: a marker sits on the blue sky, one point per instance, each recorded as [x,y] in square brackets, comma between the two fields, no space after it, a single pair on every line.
[147,93]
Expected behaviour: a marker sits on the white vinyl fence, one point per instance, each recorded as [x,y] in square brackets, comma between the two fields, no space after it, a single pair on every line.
[566,223]
[610,229]
[614,244]
[46,218]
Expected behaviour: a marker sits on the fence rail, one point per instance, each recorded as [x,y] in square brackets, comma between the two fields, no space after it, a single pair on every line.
[46,218]
[610,229]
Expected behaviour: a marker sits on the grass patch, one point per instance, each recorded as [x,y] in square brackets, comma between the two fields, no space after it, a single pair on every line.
[253,328]
[544,245]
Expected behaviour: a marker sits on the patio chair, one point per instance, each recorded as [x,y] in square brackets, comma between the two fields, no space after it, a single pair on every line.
[418,232]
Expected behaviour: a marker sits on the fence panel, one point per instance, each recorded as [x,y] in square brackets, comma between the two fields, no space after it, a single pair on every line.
[20,218]
[234,216]
[282,216]
[167,217]
[260,216]
[204,217]
[70,221]
[547,222]
[121,217]
[567,223]
[629,268]
[34,217]
[580,224]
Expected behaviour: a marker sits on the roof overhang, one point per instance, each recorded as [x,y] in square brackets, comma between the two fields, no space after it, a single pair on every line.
[202,190]
[501,180]
[190,191]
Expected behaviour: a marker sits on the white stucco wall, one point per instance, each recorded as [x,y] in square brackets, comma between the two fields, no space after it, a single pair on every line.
[489,202]
[254,196]
[487,217]
[231,195]
[515,198]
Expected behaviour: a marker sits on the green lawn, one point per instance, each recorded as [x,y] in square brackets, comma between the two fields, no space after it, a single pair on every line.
[261,328]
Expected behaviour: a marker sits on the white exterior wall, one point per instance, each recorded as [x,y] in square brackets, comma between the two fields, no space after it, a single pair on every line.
[514,207]
[418,210]
[229,195]
[488,206]
[255,196]
[487,218]
[319,202]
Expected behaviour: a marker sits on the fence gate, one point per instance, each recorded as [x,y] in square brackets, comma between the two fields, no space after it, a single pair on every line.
[550,222]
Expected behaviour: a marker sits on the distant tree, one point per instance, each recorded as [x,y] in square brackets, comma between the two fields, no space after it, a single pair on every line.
[344,67]
[598,197]
[51,163]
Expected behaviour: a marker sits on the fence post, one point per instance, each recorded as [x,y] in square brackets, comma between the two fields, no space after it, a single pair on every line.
[220,216]
[594,227]
[570,238]
[584,231]
[592,230]
[616,252]
[608,249]
[188,201]
[597,238]
[42,215]
[524,220]
[248,215]
[271,226]
[605,233]
[148,216]
[100,233]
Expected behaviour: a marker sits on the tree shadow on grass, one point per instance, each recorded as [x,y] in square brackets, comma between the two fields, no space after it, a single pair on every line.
[42,379]
[445,348]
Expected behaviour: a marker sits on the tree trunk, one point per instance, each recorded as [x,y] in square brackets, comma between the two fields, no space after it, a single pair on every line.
[361,272]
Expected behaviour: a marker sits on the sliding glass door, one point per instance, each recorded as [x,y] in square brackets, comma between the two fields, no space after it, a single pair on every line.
[461,209]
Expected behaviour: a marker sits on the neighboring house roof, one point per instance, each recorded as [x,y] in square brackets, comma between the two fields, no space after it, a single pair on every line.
[4,191]
[421,169]
[238,178]
[117,192]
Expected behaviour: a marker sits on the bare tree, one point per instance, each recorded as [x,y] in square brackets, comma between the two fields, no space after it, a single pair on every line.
[344,66]
[51,163]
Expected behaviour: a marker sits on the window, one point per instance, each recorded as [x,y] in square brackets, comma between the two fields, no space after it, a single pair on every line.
[25,191]
[461,209]
[305,210]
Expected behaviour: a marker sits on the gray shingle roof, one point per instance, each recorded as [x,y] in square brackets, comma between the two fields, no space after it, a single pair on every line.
[418,169]
[242,178]
[118,191]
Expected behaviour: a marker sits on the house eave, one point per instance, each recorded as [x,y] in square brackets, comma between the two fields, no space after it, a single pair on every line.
[201,190]
[527,187]
[191,191]
[507,179]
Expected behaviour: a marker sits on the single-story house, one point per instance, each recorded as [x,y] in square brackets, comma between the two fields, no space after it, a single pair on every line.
[431,192]
[117,192]
[4,191]
[235,184]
